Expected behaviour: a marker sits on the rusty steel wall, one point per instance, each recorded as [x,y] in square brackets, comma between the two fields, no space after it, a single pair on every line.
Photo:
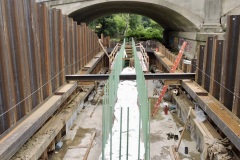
[38,46]
[220,74]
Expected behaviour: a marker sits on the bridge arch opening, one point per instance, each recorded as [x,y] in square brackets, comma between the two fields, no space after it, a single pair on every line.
[170,16]
[127,25]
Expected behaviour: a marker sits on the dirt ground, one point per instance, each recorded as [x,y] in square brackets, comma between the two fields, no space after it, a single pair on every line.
[76,142]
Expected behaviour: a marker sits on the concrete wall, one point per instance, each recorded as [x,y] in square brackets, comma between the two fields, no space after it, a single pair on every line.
[230,7]
[194,39]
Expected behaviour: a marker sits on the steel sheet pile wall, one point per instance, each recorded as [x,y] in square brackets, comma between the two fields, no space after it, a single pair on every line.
[187,68]
[218,66]
[38,46]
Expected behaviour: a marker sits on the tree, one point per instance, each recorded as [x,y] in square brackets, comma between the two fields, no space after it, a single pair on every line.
[105,25]
[128,25]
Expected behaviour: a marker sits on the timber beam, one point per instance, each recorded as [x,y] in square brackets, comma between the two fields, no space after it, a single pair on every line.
[226,121]
[165,76]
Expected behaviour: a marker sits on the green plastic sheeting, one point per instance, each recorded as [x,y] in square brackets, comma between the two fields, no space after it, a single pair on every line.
[110,97]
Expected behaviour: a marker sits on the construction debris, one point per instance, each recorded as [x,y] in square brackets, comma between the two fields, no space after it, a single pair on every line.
[217,150]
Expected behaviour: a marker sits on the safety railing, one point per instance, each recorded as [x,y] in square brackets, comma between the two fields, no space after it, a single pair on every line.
[143,103]
[112,56]
[143,57]
[109,101]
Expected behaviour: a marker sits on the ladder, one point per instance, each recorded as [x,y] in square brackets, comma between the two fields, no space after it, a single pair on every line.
[173,69]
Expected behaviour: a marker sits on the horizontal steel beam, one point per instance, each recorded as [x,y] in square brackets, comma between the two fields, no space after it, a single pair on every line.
[165,76]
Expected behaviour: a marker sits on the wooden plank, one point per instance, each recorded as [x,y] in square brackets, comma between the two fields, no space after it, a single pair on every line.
[92,64]
[196,88]
[89,146]
[173,154]
[24,130]
[172,82]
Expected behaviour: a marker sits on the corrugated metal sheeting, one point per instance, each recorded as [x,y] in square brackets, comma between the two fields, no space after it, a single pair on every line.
[38,46]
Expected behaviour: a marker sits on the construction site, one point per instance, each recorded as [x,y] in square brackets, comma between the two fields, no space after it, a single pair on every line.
[67,93]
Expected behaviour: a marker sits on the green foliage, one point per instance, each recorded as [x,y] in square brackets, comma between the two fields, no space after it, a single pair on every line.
[105,25]
[118,26]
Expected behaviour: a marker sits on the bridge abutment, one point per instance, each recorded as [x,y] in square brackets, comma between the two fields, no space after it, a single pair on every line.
[175,39]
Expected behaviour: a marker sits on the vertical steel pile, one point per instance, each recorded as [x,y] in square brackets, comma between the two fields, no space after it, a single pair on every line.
[38,46]
[185,67]
[218,66]
[143,103]
[110,97]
